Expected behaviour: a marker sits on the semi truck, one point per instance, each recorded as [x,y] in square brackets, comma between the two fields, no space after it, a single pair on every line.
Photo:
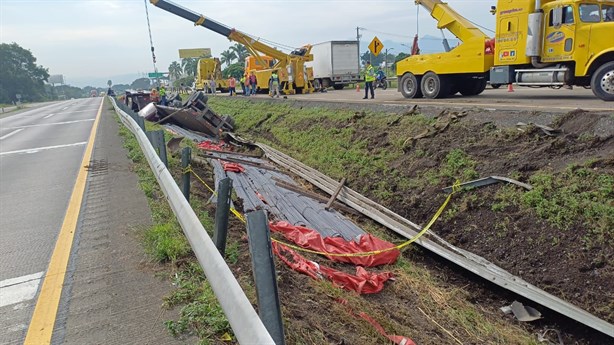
[335,64]
[294,75]
[537,43]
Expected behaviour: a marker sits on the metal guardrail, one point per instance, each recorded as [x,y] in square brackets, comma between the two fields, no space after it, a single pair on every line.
[245,323]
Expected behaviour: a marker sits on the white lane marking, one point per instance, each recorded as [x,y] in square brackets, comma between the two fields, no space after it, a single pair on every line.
[76,111]
[48,116]
[16,290]
[37,149]
[11,134]
[50,124]
[64,108]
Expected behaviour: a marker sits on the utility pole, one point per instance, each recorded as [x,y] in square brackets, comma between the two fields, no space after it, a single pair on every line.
[386,60]
[358,36]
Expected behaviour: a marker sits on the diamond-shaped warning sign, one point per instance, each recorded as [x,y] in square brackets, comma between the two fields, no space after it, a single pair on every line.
[376,46]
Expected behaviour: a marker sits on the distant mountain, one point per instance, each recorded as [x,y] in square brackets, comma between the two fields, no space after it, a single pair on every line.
[102,81]
[427,43]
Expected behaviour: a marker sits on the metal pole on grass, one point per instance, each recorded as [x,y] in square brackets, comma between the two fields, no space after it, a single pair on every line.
[159,136]
[263,266]
[220,232]
[186,155]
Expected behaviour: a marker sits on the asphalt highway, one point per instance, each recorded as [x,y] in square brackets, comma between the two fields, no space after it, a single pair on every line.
[41,152]
[522,98]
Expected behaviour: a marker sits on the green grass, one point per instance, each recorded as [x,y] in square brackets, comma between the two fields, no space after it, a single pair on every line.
[578,195]
[200,312]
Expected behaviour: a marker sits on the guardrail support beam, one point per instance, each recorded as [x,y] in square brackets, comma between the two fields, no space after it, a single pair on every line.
[220,233]
[186,157]
[263,266]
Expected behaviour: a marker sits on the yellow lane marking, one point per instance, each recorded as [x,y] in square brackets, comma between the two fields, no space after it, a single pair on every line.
[43,319]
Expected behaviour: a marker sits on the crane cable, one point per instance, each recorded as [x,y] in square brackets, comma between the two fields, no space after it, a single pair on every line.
[153,55]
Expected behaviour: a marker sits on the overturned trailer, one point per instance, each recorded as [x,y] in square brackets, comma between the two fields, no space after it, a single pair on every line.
[194,114]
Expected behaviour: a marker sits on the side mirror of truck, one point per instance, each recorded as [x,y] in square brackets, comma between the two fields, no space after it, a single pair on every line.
[557,16]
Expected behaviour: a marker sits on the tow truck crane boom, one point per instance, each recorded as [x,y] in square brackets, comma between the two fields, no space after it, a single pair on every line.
[293,73]
[449,19]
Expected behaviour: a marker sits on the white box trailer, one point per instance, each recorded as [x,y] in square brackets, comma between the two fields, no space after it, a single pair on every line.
[335,63]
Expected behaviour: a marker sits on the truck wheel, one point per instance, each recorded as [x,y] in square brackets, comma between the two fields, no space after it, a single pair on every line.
[316,84]
[338,86]
[434,86]
[602,82]
[410,86]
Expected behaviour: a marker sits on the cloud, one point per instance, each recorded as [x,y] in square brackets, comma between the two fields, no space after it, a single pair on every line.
[70,37]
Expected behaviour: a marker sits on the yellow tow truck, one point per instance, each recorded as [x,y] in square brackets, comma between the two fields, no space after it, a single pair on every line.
[294,75]
[537,43]
[207,69]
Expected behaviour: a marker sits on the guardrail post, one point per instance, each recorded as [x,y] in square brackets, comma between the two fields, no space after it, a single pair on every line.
[156,138]
[185,178]
[220,232]
[140,121]
[159,137]
[263,266]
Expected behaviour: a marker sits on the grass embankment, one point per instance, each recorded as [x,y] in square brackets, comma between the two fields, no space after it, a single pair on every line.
[334,142]
[373,151]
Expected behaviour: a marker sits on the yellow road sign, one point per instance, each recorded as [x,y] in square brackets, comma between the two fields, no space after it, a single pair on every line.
[376,46]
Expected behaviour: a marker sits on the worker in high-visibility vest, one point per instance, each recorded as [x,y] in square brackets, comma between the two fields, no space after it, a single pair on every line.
[274,84]
[369,78]
[163,95]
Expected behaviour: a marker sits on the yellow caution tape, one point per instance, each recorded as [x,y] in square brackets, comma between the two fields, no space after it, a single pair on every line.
[455,188]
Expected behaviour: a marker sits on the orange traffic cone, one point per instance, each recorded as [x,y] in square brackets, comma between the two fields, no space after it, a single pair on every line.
[510,87]
[357,87]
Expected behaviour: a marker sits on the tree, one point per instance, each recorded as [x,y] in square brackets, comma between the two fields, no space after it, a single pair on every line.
[398,58]
[174,70]
[227,56]
[189,66]
[186,81]
[120,88]
[20,75]
[240,51]
[141,83]
[236,70]
[375,60]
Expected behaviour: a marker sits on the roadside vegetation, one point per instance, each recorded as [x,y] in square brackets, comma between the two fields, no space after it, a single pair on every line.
[199,313]
[381,160]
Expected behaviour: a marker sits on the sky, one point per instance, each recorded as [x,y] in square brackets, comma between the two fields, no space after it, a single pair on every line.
[92,41]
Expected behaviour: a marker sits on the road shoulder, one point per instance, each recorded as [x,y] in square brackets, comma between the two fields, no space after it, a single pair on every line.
[111,294]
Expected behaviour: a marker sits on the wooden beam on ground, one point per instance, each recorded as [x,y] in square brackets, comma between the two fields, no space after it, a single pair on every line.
[334,195]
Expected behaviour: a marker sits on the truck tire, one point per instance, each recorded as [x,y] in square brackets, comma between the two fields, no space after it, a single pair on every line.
[602,82]
[410,86]
[338,86]
[434,86]
[317,84]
